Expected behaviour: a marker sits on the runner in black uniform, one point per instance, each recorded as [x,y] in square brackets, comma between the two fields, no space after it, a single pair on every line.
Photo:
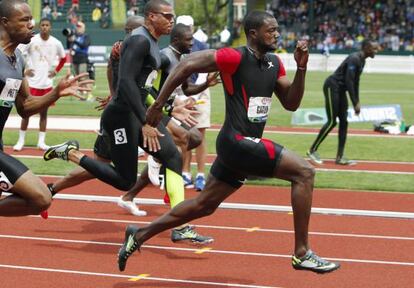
[345,78]
[124,118]
[29,194]
[250,76]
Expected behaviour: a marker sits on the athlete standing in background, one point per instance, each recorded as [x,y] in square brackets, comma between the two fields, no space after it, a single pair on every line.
[345,78]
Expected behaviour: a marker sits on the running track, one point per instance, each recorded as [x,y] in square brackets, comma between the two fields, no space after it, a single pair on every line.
[77,245]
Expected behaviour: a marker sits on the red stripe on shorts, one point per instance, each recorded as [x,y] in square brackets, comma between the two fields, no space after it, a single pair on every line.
[269,148]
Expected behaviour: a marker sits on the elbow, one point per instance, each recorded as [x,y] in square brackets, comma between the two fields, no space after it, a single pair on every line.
[292,108]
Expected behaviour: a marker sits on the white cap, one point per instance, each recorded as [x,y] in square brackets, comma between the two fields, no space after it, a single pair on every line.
[186,20]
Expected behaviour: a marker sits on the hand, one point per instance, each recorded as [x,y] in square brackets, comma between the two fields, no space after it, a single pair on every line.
[150,138]
[188,103]
[153,116]
[70,86]
[103,101]
[51,74]
[185,115]
[213,79]
[29,72]
[357,109]
[301,53]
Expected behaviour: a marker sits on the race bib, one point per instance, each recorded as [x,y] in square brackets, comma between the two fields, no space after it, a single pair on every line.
[9,92]
[259,108]
[120,136]
[151,78]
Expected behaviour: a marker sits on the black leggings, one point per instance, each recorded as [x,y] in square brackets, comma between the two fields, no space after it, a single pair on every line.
[124,131]
[336,104]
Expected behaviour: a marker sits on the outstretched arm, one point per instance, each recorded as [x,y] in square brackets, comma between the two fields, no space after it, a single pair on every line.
[27,105]
[197,62]
[290,93]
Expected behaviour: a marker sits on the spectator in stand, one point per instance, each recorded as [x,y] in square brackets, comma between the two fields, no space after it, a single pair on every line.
[60,4]
[75,5]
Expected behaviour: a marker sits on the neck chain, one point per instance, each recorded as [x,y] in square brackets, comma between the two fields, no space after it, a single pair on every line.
[175,50]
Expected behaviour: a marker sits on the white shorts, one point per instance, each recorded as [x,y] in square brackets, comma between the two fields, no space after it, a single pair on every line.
[205,110]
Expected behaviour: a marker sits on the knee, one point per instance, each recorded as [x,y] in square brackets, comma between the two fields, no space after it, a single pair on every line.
[42,201]
[194,139]
[307,172]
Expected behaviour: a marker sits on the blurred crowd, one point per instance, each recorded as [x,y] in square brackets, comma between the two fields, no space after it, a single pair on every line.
[343,24]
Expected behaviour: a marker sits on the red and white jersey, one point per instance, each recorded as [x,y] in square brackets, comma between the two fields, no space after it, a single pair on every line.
[42,56]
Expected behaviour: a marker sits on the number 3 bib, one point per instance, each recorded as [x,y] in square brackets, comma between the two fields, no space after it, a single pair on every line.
[259,108]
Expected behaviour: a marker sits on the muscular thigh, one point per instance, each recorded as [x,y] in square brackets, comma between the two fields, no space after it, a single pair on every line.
[123,130]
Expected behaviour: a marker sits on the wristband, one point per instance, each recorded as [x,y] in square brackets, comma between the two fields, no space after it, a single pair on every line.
[168,108]
[301,68]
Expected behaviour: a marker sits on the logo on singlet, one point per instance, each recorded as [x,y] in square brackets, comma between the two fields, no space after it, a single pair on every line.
[5,184]
[270,64]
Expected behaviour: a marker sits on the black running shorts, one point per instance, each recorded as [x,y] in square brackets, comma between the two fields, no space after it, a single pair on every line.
[239,157]
[10,170]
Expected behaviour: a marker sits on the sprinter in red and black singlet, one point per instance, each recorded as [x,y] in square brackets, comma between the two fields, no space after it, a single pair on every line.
[250,76]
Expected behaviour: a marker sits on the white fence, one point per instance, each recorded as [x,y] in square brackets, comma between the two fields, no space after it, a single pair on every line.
[380,64]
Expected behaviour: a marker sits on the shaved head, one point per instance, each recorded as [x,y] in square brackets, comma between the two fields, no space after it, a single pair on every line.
[7,7]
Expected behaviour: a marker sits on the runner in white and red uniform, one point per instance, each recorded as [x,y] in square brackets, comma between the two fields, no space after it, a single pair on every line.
[250,75]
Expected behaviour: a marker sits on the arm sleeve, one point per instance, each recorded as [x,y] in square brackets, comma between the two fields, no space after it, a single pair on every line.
[228,60]
[134,50]
[352,79]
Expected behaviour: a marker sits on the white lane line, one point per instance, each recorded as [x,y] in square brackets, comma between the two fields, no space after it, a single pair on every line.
[273,255]
[318,169]
[331,134]
[330,234]
[364,171]
[88,273]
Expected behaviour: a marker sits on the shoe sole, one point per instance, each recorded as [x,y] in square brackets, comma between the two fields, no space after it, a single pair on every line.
[300,268]
[196,243]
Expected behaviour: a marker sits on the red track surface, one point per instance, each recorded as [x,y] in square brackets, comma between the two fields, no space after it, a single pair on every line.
[77,245]
[362,165]
[259,258]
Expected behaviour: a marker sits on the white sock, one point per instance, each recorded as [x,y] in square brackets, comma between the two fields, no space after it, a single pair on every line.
[187,174]
[42,136]
[200,174]
[22,135]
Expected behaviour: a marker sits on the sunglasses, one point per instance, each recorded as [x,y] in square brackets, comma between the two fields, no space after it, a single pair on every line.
[168,16]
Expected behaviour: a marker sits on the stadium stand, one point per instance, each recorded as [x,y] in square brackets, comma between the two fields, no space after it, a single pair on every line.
[343,24]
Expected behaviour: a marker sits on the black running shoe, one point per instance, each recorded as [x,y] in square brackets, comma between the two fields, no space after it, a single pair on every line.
[50,187]
[187,233]
[61,151]
[129,246]
[312,262]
